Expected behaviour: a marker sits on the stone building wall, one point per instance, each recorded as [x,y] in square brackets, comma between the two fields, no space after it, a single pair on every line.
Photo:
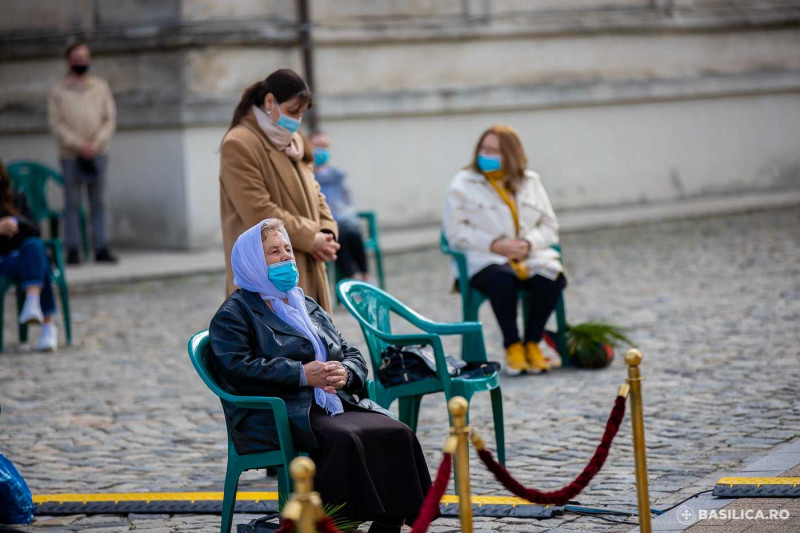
[617,101]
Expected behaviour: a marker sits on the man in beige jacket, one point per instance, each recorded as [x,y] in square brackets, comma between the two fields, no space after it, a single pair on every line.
[82,117]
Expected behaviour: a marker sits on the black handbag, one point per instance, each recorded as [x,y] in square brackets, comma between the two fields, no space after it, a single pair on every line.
[261,525]
[404,364]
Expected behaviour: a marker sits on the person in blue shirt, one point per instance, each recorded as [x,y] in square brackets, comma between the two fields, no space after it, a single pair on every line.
[351,259]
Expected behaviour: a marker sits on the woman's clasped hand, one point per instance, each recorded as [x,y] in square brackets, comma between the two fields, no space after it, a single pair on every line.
[330,376]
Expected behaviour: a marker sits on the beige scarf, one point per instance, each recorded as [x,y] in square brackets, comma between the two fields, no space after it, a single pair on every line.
[289,143]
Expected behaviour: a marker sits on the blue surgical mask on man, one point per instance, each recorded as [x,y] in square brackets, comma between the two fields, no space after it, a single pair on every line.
[489,163]
[321,156]
[288,123]
[283,275]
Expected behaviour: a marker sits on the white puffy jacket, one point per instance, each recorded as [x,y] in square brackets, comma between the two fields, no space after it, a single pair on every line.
[475,215]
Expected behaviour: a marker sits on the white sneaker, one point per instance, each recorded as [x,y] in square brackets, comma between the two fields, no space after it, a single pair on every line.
[31,312]
[48,340]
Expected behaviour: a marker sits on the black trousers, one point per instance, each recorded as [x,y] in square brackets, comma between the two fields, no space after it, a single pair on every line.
[371,463]
[351,257]
[501,285]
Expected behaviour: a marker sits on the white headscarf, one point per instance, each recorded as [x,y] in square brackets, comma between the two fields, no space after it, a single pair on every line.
[250,273]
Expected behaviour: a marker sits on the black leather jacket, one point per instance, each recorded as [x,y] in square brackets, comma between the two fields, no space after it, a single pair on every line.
[28,227]
[258,354]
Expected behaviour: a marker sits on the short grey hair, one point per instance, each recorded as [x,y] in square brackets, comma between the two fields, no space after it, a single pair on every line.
[272,226]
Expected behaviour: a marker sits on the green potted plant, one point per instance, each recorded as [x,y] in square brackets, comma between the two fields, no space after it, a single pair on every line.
[591,344]
[342,523]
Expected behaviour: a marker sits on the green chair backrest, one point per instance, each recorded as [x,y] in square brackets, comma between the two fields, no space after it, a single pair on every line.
[31,177]
[199,351]
[372,309]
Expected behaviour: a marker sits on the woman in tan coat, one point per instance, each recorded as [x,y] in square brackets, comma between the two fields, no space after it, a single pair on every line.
[263,174]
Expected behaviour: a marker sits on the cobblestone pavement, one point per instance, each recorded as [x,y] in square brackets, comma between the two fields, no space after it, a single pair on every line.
[713,304]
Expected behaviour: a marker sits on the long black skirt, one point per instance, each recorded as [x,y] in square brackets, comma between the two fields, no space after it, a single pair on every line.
[371,463]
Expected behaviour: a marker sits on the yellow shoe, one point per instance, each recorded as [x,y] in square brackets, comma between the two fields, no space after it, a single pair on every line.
[535,359]
[515,359]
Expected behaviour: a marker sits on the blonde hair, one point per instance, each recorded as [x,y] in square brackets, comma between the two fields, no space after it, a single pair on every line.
[270,227]
[514,159]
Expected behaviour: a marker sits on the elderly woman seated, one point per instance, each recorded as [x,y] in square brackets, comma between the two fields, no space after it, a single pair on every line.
[269,339]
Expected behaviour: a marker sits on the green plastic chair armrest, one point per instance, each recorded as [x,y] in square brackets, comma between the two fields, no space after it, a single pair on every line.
[402,339]
[451,328]
[278,408]
[277,405]
[431,326]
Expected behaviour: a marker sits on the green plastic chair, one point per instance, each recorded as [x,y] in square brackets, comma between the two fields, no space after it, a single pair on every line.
[471,300]
[371,245]
[31,177]
[199,351]
[58,273]
[373,308]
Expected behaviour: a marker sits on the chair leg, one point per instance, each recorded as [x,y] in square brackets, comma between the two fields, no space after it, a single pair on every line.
[63,292]
[470,309]
[232,474]
[23,329]
[379,268]
[561,332]
[409,411]
[499,428]
[284,486]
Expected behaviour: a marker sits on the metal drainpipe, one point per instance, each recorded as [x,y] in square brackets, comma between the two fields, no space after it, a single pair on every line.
[307,47]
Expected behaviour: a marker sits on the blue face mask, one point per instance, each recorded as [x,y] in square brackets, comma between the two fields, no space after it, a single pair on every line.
[489,163]
[288,123]
[321,156]
[283,275]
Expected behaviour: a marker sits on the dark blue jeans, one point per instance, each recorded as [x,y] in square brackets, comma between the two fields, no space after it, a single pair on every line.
[351,257]
[29,267]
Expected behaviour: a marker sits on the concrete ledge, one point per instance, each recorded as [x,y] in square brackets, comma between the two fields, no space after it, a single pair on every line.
[142,110]
[141,265]
[565,95]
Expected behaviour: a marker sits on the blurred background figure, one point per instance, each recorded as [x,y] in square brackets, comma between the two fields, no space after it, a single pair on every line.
[23,259]
[351,259]
[498,213]
[630,103]
[82,117]
[265,172]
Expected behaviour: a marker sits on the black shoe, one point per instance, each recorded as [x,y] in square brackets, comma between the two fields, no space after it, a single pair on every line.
[104,255]
[73,257]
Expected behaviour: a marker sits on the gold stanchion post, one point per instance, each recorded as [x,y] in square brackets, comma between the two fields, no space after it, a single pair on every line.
[634,358]
[458,407]
[304,507]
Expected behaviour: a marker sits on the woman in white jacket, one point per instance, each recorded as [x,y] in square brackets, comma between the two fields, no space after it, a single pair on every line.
[498,213]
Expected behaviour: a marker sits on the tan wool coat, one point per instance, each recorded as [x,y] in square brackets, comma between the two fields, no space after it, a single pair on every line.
[257,181]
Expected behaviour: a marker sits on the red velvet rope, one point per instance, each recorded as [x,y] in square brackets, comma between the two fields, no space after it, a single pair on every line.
[287,526]
[564,494]
[430,507]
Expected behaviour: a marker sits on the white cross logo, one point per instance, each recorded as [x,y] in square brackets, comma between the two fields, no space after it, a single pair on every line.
[686,515]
